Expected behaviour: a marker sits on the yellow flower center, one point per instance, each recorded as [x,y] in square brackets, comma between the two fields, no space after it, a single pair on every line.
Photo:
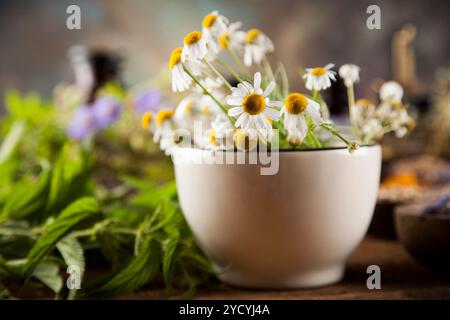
[224,40]
[209,20]
[145,120]
[188,107]
[251,35]
[205,111]
[319,72]
[192,38]
[364,103]
[296,103]
[254,104]
[163,114]
[212,137]
[175,58]
[397,105]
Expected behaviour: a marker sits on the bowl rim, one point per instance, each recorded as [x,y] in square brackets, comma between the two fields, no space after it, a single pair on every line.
[287,150]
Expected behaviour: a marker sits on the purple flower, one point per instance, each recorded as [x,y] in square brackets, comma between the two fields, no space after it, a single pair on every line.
[82,124]
[106,111]
[148,101]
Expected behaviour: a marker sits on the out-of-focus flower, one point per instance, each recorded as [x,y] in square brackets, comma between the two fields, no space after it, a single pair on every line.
[146,120]
[257,45]
[253,107]
[82,124]
[164,132]
[350,74]
[180,79]
[148,101]
[246,139]
[106,111]
[221,134]
[232,37]
[392,91]
[213,24]
[194,47]
[319,78]
[295,108]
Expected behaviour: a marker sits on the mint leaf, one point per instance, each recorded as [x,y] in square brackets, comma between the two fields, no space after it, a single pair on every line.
[71,218]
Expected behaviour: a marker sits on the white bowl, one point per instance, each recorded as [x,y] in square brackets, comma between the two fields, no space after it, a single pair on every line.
[294,229]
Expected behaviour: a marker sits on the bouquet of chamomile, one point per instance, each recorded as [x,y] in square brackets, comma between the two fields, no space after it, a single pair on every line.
[248,103]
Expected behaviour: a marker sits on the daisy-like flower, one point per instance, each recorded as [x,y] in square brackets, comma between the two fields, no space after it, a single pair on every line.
[349,73]
[319,78]
[246,139]
[180,79]
[366,120]
[164,133]
[295,108]
[392,91]
[213,25]
[194,47]
[232,37]
[257,45]
[394,116]
[221,134]
[253,107]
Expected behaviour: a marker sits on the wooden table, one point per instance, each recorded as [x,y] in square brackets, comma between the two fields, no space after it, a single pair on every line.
[401,278]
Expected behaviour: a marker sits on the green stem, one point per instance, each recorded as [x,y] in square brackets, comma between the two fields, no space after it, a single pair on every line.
[351,105]
[335,133]
[269,70]
[238,62]
[230,70]
[217,73]
[208,93]
[323,106]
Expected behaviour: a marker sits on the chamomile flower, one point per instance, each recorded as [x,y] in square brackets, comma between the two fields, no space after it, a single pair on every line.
[252,106]
[221,134]
[213,24]
[349,73]
[257,45]
[391,90]
[164,133]
[194,47]
[319,78]
[232,37]
[181,81]
[394,116]
[296,106]
[245,139]
[366,120]
[185,112]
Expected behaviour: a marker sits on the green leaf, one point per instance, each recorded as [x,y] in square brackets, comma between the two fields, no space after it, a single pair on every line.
[12,140]
[48,274]
[70,219]
[137,273]
[72,252]
[169,258]
[27,199]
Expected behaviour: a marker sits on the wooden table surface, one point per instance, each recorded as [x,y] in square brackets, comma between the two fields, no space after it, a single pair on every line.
[401,278]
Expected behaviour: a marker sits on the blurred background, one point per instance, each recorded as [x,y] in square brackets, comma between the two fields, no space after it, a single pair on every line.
[306,33]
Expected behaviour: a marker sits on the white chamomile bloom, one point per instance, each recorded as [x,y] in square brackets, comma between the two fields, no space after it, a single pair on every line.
[213,25]
[232,37]
[257,45]
[349,73]
[366,120]
[319,78]
[295,108]
[185,112]
[391,90]
[180,79]
[253,108]
[221,134]
[245,139]
[164,130]
[194,47]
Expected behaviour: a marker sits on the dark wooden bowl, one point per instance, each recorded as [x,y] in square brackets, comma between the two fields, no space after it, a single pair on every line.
[425,237]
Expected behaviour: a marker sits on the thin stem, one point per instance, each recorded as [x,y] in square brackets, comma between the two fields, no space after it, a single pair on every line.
[217,73]
[323,106]
[269,70]
[316,141]
[208,93]
[230,70]
[351,105]
[238,62]
[334,132]
[284,79]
